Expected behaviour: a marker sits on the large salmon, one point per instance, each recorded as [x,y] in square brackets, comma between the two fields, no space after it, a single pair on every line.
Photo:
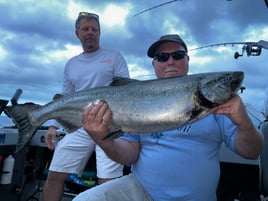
[138,106]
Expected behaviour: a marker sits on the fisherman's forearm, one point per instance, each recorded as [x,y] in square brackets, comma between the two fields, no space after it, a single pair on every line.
[248,142]
[120,151]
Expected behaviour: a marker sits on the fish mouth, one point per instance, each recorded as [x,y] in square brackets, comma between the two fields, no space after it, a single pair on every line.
[204,101]
[236,85]
[218,89]
[236,82]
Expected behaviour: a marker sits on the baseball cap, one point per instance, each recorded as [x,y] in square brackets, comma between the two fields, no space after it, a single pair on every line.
[166,38]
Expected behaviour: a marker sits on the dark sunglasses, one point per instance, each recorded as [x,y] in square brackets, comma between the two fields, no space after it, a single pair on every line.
[163,57]
[86,14]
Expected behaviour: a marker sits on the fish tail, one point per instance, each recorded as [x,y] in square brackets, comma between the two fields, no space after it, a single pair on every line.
[19,113]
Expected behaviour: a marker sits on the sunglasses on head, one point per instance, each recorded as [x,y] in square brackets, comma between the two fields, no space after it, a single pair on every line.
[86,14]
[163,57]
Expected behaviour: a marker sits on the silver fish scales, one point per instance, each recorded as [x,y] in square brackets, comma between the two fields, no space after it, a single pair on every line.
[137,106]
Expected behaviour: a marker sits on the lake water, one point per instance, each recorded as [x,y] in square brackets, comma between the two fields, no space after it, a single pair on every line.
[5,121]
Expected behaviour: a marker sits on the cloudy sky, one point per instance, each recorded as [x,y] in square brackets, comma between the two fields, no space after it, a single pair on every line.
[37,39]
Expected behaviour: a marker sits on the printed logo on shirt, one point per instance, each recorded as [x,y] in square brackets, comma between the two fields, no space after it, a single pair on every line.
[156,135]
[185,129]
[172,135]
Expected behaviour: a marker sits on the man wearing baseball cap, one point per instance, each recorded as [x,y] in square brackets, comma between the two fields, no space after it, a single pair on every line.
[174,165]
[166,38]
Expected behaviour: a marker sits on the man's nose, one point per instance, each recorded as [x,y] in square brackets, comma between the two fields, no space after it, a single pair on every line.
[171,60]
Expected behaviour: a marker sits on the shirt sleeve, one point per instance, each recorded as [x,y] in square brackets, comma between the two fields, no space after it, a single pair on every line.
[228,131]
[121,67]
[68,86]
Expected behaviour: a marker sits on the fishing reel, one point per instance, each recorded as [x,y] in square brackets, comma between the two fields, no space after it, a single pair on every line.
[252,49]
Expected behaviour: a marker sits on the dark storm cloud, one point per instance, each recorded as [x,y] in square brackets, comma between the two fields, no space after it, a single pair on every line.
[41,21]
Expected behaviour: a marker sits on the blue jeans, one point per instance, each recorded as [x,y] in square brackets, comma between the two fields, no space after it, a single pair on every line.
[121,189]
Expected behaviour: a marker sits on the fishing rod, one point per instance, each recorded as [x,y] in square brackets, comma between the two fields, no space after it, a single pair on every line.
[158,5]
[169,2]
[251,48]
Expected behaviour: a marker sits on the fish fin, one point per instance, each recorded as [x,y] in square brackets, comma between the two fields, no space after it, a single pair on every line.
[67,125]
[198,114]
[20,116]
[118,81]
[113,135]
